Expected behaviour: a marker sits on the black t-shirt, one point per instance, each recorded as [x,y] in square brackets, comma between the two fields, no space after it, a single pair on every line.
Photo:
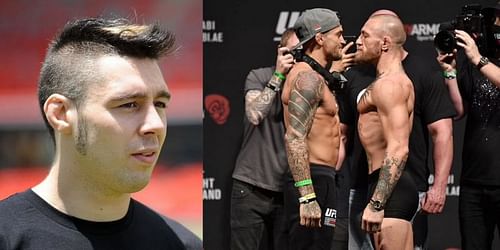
[355,166]
[432,103]
[262,158]
[28,222]
[481,151]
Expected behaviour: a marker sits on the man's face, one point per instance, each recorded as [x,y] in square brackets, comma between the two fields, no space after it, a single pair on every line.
[333,43]
[292,41]
[368,44]
[122,123]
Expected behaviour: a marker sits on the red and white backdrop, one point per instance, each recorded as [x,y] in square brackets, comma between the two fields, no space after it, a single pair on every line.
[26,29]
[242,35]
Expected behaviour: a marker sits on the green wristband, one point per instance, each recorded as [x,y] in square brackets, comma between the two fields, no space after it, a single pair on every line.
[279,75]
[303,183]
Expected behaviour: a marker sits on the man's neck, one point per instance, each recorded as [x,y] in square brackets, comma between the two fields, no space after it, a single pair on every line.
[390,62]
[71,194]
[318,56]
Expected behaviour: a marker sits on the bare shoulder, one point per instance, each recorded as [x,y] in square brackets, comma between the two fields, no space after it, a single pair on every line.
[392,88]
[308,79]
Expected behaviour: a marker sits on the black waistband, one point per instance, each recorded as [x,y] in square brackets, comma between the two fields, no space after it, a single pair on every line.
[261,190]
[316,169]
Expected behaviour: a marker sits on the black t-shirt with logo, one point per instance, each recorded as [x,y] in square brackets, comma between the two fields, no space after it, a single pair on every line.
[432,103]
[28,222]
[481,151]
[262,158]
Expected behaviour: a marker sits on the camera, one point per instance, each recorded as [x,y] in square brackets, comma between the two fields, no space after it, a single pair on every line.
[349,39]
[335,81]
[471,20]
[297,53]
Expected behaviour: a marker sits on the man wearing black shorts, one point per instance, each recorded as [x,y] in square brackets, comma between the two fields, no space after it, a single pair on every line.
[313,138]
[432,117]
[385,120]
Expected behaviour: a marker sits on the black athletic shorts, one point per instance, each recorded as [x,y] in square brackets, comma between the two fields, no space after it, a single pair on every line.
[403,202]
[301,237]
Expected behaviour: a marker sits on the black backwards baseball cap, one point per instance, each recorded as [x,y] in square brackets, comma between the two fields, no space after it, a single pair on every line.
[314,21]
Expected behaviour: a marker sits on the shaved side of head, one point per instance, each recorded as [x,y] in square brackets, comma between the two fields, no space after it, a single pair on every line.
[389,25]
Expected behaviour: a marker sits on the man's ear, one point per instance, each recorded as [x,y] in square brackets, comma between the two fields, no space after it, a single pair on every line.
[386,42]
[319,38]
[58,112]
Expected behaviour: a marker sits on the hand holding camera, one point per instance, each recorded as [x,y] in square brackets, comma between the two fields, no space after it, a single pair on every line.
[472,29]
[465,41]
[447,61]
[284,60]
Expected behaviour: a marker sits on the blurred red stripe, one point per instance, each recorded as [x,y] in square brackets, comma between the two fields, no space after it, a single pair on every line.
[176,192]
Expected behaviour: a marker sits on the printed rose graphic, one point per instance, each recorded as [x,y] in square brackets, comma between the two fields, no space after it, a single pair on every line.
[218,108]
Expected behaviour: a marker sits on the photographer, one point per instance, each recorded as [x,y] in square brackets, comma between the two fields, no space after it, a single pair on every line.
[473,81]
[489,70]
[257,194]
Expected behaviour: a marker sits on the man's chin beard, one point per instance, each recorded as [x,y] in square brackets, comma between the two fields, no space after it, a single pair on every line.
[362,60]
[333,58]
[337,56]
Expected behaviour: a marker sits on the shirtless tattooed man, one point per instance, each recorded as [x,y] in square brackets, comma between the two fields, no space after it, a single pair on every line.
[385,120]
[313,139]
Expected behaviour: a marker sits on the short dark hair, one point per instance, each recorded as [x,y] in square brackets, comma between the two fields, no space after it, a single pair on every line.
[69,66]
[286,35]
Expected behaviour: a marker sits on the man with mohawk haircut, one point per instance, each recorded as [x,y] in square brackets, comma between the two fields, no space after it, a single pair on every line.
[103,99]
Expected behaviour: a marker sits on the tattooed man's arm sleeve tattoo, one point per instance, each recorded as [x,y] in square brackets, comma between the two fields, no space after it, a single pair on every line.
[396,120]
[305,95]
[390,172]
[259,102]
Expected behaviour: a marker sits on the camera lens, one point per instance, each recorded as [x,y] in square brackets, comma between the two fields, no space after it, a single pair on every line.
[445,41]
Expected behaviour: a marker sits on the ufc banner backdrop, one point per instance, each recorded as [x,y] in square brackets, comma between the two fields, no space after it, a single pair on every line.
[240,35]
